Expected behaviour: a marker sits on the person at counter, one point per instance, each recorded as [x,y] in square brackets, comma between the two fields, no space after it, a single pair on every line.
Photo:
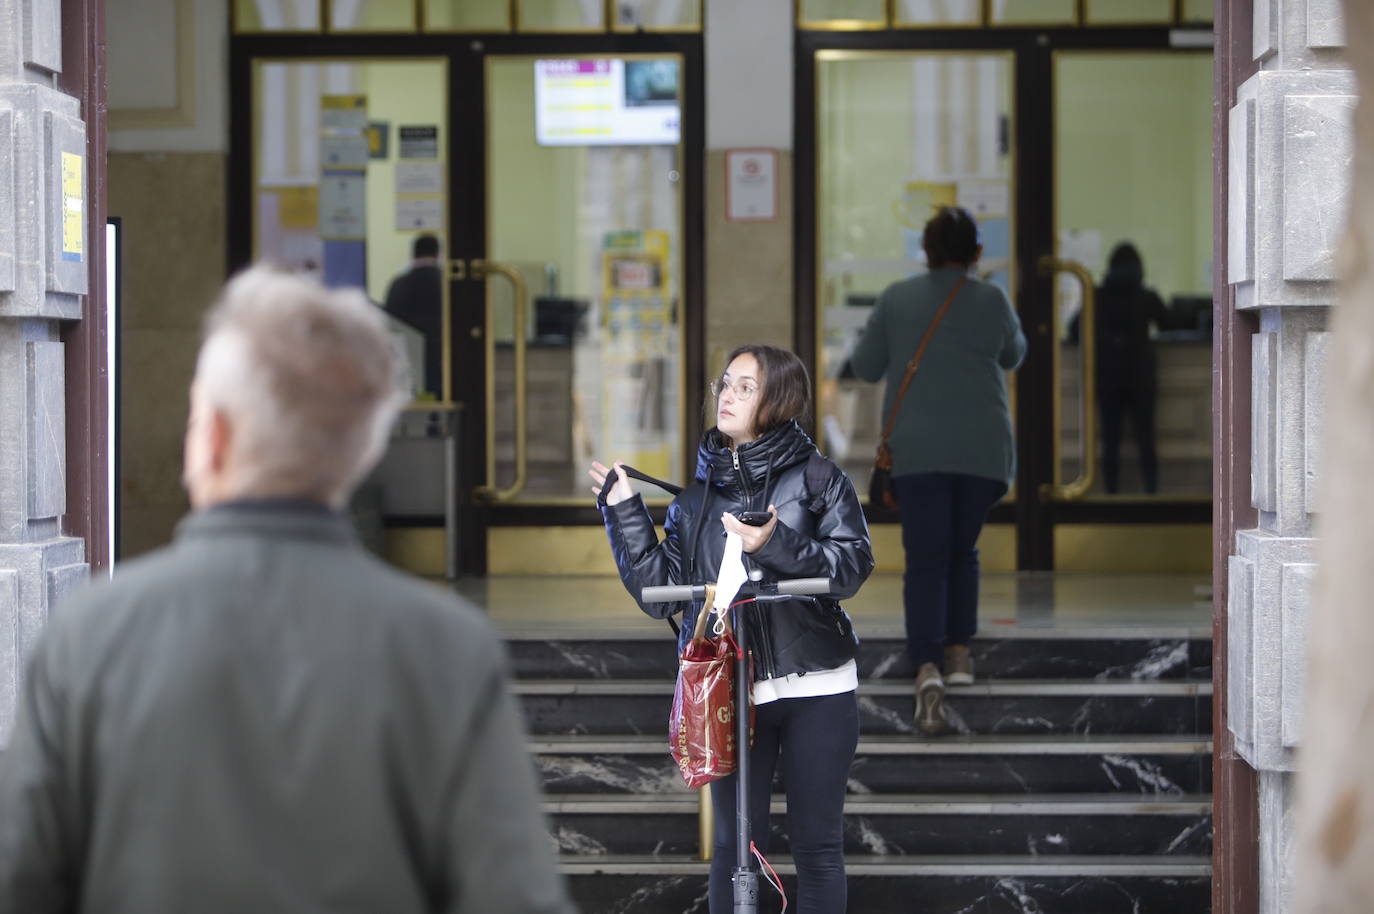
[1127,374]
[416,297]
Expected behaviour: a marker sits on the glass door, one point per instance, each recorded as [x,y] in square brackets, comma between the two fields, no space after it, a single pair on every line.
[899,134]
[1133,207]
[350,184]
[584,206]
[544,316]
[580,334]
[1066,147]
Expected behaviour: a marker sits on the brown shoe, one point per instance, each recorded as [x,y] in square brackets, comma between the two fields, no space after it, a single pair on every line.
[930,700]
[958,665]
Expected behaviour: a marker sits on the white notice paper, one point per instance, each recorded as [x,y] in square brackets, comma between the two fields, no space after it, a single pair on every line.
[751,185]
[985,196]
[419,214]
[343,206]
[419,178]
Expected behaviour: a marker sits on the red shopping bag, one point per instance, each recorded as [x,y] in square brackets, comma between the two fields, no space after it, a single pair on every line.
[701,727]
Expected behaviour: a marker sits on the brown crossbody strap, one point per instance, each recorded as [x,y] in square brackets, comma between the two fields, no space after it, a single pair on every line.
[916,361]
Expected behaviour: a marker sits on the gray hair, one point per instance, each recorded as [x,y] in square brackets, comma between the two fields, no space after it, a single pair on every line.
[310,379]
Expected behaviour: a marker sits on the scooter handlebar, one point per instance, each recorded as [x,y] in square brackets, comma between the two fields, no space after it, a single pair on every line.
[673,593]
[677,593]
[805,586]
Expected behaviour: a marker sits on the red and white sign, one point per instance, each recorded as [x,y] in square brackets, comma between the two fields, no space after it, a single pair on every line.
[751,185]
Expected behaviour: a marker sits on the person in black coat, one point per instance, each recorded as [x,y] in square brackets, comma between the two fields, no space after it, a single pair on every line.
[417,297]
[1127,374]
[756,458]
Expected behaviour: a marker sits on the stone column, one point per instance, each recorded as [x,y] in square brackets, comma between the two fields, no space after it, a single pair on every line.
[1335,811]
[44,240]
[1290,153]
[749,296]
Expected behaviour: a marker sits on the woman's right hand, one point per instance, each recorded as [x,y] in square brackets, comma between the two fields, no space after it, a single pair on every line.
[620,491]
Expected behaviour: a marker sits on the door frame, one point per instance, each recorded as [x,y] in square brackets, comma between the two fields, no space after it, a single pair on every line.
[1033,51]
[467,237]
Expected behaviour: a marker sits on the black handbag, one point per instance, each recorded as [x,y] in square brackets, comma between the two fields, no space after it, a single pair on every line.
[882,497]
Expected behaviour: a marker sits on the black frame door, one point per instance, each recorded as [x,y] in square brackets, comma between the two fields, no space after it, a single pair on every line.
[1033,51]
[467,194]
[470,242]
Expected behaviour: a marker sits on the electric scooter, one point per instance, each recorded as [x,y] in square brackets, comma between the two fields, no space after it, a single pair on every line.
[745,878]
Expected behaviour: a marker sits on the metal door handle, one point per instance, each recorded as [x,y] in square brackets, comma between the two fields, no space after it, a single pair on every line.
[1087,343]
[481,269]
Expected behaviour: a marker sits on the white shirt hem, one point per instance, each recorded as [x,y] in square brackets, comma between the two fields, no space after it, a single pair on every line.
[808,685]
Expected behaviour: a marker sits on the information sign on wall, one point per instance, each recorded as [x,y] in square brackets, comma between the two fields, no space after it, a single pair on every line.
[751,186]
[606,102]
[73,206]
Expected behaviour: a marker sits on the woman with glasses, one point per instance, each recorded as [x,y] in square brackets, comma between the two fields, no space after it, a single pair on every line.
[757,458]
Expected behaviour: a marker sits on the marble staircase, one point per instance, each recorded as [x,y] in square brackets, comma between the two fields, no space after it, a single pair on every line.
[1076,778]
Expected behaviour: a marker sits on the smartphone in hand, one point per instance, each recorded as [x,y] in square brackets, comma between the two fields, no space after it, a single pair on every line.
[754,518]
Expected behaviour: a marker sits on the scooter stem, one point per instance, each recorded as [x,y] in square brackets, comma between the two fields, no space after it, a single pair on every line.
[745,878]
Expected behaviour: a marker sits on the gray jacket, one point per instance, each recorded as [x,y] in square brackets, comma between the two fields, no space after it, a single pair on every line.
[263,718]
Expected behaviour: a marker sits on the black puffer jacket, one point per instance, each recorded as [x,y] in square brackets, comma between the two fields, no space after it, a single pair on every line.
[819,534]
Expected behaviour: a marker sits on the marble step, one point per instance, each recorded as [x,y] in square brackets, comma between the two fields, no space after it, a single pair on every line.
[1136,765]
[1088,654]
[908,825]
[640,707]
[917,885]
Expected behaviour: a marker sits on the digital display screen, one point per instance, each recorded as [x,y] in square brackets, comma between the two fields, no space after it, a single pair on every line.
[606,102]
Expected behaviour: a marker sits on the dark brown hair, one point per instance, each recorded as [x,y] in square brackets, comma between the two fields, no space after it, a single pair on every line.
[950,238]
[784,386]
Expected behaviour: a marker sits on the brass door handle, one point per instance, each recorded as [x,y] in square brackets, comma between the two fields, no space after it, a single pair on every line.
[482,269]
[1087,347]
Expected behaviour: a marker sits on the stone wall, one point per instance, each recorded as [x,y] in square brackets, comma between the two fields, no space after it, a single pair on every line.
[1290,152]
[44,244]
[1335,809]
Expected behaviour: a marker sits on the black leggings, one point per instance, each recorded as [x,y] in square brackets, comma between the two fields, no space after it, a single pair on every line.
[816,739]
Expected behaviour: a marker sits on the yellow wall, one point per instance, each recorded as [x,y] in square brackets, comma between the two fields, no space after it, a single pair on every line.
[411,93]
[1133,155]
[534,191]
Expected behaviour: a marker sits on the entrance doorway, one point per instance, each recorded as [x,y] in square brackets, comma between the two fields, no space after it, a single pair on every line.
[1065,143]
[559,177]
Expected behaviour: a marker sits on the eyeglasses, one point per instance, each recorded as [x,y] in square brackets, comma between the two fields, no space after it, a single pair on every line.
[743,390]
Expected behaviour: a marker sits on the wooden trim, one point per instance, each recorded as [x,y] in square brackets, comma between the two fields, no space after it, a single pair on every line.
[1235,785]
[183,113]
[87,432]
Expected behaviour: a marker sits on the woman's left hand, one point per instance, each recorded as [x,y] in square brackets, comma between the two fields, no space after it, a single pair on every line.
[752,537]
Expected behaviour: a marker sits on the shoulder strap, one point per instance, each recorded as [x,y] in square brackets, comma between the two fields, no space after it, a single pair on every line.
[817,478]
[631,472]
[916,360]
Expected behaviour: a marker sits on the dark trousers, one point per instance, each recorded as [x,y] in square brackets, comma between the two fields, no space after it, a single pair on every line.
[942,515]
[1114,405]
[814,739]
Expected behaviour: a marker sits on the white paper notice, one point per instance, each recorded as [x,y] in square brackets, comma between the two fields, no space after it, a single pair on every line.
[343,206]
[416,214]
[419,178]
[985,196]
[751,188]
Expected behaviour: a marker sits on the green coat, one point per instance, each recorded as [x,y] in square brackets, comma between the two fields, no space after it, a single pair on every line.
[263,718]
[954,417]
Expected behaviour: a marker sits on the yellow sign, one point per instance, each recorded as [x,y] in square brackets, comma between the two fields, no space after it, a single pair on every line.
[635,264]
[73,206]
[298,207]
[343,102]
[919,201]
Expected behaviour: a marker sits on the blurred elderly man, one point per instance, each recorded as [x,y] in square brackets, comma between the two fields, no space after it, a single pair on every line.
[260,717]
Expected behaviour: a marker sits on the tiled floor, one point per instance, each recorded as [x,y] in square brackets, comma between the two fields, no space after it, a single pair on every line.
[1030,604]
